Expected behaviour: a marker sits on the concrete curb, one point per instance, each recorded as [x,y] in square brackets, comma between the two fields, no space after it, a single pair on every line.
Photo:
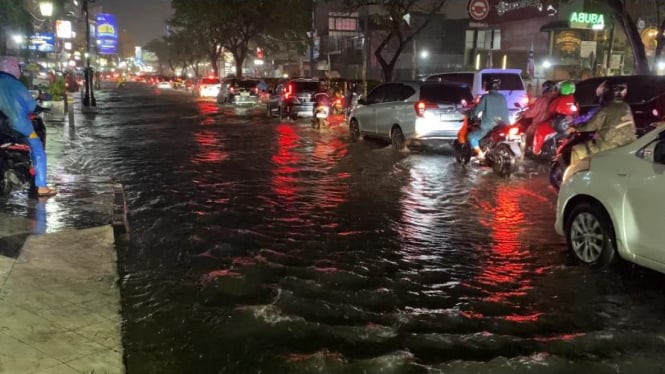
[119,219]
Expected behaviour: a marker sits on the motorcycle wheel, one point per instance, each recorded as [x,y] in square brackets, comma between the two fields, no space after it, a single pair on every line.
[556,174]
[462,152]
[504,161]
[6,184]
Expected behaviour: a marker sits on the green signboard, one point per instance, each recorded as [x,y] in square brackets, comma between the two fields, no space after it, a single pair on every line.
[581,20]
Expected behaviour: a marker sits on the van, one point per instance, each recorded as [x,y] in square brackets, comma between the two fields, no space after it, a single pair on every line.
[512,85]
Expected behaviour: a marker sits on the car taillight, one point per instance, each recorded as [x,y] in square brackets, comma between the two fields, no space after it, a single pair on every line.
[288,91]
[232,89]
[655,112]
[421,106]
[463,103]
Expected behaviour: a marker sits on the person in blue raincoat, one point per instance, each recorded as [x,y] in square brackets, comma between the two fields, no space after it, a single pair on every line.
[16,103]
[494,110]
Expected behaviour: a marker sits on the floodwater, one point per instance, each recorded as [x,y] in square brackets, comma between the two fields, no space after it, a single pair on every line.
[263,246]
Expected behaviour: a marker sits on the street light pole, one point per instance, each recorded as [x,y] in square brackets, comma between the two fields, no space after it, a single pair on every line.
[89,96]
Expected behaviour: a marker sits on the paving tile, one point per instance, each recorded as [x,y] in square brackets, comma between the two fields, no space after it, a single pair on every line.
[21,291]
[46,336]
[105,333]
[60,369]
[70,316]
[19,358]
[6,264]
[107,307]
[12,225]
[107,362]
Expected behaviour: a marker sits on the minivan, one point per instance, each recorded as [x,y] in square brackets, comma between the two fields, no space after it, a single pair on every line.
[512,85]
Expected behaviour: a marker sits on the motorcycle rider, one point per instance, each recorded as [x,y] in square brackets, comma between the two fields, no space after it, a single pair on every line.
[560,113]
[494,109]
[614,125]
[539,111]
[321,96]
[17,104]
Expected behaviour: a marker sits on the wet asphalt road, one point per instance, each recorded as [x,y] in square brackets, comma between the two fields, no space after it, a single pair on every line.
[262,246]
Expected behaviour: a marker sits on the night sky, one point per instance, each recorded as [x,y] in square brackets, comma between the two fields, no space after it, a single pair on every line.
[143,18]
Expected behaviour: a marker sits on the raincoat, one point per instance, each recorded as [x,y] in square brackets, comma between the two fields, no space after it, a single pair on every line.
[539,112]
[17,103]
[494,108]
[614,126]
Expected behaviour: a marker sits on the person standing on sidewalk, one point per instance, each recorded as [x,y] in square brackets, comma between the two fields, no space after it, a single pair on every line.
[17,104]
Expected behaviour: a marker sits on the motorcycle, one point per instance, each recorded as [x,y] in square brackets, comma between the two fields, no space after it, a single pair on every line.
[16,169]
[321,113]
[502,145]
[563,156]
[338,104]
[549,134]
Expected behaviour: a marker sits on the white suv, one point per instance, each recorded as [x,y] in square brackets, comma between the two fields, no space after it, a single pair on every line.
[512,85]
[612,203]
[405,112]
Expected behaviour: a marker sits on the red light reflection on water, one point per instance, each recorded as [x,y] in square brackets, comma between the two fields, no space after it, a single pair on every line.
[209,148]
[283,181]
[504,271]
[207,107]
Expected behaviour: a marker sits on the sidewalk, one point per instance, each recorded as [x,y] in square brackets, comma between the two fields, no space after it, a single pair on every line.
[59,299]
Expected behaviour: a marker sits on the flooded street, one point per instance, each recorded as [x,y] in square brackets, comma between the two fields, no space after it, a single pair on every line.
[263,246]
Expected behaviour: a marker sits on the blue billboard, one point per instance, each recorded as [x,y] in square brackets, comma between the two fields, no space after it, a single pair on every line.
[106,31]
[42,42]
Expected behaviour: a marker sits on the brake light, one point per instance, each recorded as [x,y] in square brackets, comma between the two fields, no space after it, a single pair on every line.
[655,112]
[573,108]
[421,106]
[463,103]
[289,91]
[513,131]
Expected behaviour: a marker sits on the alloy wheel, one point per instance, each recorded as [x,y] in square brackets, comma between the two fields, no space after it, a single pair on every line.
[587,237]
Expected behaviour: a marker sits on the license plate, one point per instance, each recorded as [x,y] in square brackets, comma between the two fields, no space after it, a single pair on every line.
[244,94]
[321,115]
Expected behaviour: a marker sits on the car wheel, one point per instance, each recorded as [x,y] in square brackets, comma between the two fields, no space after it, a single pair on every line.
[268,111]
[354,129]
[293,116]
[397,139]
[590,235]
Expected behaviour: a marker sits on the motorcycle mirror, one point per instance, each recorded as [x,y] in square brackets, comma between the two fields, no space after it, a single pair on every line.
[518,105]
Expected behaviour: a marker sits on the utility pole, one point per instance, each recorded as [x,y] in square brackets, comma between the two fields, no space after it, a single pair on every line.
[365,54]
[312,64]
[89,96]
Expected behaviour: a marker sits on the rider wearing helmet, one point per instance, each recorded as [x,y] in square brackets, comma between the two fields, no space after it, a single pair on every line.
[614,124]
[538,112]
[17,104]
[494,109]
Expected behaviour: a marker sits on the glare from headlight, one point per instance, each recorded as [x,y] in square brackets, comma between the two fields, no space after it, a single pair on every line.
[580,166]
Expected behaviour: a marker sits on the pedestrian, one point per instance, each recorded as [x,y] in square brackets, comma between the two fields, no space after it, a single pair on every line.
[16,103]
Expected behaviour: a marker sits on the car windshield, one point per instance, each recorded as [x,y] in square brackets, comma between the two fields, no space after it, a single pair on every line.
[445,94]
[210,81]
[640,89]
[509,81]
[466,78]
[306,86]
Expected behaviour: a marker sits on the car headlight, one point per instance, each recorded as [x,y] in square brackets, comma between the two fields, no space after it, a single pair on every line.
[580,166]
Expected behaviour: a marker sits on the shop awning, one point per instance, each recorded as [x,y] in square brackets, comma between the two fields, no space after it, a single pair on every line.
[555,26]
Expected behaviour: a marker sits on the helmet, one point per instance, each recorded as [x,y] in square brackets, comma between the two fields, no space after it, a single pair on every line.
[494,83]
[617,91]
[10,65]
[549,86]
[567,88]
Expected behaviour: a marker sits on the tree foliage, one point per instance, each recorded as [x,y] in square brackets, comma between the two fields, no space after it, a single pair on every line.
[236,25]
[395,32]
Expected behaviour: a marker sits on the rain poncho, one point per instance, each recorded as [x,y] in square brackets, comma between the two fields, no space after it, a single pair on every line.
[17,103]
[494,108]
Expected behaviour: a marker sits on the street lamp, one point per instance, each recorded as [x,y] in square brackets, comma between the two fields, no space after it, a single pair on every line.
[424,54]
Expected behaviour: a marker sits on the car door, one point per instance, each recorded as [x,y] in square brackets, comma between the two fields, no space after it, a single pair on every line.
[386,111]
[644,202]
[365,114]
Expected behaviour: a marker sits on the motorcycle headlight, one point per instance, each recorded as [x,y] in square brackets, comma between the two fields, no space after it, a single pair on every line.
[580,166]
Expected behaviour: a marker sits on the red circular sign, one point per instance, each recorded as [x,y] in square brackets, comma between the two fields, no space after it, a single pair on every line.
[479,9]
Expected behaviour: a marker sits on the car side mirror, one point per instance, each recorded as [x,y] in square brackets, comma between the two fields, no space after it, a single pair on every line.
[362,101]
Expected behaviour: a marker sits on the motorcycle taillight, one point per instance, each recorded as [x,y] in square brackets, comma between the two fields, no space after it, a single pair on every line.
[33,172]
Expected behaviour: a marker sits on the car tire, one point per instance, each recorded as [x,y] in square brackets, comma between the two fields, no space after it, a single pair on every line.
[354,130]
[590,235]
[397,139]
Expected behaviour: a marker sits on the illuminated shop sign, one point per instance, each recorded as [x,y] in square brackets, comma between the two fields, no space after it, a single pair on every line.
[581,20]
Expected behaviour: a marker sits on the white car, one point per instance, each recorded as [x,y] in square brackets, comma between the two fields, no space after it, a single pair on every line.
[209,87]
[512,85]
[612,203]
[406,112]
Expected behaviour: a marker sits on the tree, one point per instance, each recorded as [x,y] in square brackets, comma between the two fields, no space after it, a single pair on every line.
[14,17]
[185,50]
[161,49]
[396,32]
[620,11]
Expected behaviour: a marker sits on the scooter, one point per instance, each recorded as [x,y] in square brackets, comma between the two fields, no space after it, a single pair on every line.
[563,156]
[338,104]
[549,134]
[321,113]
[16,169]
